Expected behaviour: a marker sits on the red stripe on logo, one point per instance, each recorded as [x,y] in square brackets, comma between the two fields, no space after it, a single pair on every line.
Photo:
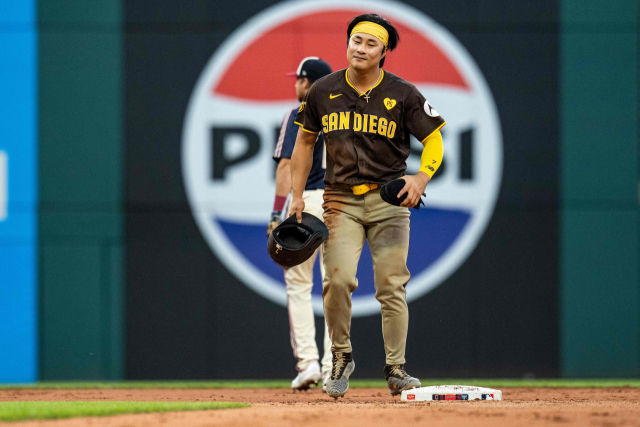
[416,58]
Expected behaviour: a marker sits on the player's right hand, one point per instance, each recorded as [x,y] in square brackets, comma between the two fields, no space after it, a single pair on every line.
[297,206]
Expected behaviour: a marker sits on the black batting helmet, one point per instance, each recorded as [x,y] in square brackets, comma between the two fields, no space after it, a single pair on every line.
[291,244]
[389,193]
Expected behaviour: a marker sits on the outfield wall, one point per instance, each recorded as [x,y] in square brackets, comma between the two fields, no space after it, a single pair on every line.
[130,284]
[600,297]
[81,190]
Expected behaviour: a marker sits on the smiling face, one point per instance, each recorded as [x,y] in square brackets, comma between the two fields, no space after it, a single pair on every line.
[364,51]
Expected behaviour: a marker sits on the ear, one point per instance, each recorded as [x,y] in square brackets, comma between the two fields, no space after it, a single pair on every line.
[306,83]
[384,52]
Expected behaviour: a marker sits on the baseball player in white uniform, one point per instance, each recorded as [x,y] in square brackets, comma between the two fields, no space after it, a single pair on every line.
[299,279]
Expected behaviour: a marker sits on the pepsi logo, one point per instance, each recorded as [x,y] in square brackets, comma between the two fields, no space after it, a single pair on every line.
[243,93]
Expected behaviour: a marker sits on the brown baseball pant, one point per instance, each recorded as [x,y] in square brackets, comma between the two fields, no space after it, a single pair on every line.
[351,220]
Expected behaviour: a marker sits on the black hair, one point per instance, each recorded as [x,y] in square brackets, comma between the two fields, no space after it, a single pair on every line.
[394,37]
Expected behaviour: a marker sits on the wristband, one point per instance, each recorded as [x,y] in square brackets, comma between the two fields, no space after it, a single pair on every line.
[278,204]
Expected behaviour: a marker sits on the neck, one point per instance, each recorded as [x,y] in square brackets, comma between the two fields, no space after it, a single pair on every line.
[364,78]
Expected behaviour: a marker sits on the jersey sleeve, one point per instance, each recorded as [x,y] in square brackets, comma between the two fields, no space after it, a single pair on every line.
[419,116]
[287,138]
[307,117]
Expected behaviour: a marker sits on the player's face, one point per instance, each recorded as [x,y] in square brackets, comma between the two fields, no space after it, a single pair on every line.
[364,51]
[302,86]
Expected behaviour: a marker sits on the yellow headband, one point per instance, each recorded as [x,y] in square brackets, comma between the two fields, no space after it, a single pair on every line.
[372,28]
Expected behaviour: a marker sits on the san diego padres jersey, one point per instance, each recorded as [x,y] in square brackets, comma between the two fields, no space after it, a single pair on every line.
[366,141]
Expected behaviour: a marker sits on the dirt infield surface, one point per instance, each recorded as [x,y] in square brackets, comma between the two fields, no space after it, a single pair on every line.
[605,407]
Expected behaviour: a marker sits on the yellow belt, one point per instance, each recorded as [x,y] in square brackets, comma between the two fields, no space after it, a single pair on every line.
[363,188]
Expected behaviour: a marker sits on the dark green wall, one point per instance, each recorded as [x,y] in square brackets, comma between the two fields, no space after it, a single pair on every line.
[81,189]
[600,303]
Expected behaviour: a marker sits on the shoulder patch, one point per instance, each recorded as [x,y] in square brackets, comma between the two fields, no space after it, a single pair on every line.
[430,110]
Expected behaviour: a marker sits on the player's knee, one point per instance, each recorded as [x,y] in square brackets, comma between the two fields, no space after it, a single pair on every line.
[391,286]
[393,304]
[338,283]
[298,288]
[299,293]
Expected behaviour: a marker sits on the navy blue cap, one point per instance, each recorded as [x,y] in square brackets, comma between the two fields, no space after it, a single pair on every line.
[312,68]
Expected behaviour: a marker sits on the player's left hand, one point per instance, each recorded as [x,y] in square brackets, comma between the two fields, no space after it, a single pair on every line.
[414,187]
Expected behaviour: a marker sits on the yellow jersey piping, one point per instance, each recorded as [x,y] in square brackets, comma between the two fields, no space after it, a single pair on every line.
[424,141]
[306,130]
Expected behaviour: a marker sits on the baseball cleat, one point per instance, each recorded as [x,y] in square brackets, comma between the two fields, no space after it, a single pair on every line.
[305,379]
[325,378]
[398,380]
[338,382]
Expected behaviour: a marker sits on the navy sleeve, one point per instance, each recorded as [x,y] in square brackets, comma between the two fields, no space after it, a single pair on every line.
[287,139]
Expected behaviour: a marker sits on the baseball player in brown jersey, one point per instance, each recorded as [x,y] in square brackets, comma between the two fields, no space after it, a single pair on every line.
[366,116]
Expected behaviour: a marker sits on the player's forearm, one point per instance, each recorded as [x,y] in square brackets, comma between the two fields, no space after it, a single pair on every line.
[301,161]
[283,178]
[431,158]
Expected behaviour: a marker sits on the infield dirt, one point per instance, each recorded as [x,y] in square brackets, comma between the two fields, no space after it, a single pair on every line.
[605,407]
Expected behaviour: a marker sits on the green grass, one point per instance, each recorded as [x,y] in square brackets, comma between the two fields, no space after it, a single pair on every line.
[355,383]
[19,411]
[215,384]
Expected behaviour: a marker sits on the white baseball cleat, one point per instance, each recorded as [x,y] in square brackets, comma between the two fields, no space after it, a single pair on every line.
[325,378]
[305,379]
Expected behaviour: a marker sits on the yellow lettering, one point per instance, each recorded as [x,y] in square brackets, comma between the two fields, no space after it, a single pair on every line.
[373,124]
[325,120]
[333,121]
[364,123]
[344,120]
[357,122]
[391,130]
[382,126]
